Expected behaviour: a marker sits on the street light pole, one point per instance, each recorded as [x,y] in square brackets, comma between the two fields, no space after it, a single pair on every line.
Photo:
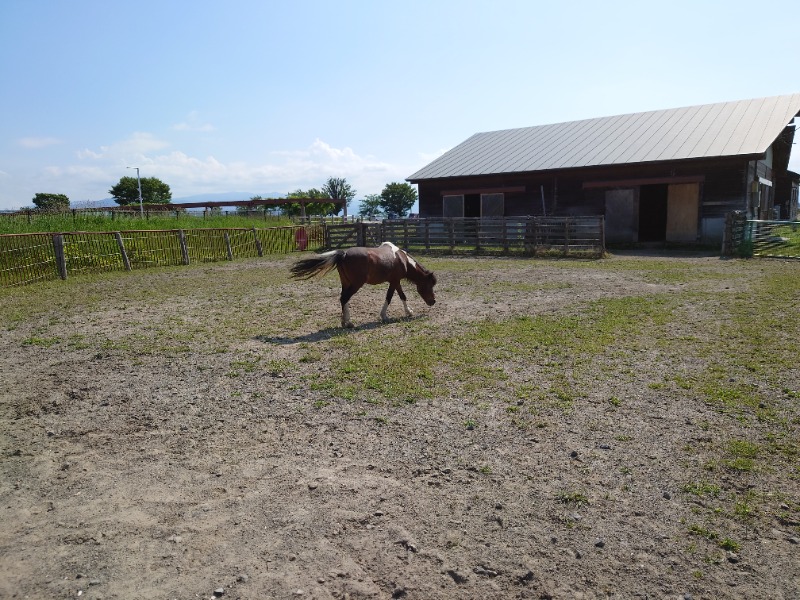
[139,183]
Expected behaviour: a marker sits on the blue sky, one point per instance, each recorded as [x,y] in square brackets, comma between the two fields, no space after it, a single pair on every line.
[264,97]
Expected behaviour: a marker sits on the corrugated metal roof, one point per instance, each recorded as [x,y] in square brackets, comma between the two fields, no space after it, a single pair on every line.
[745,127]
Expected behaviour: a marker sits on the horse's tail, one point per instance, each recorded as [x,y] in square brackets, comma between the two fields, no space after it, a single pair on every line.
[318,265]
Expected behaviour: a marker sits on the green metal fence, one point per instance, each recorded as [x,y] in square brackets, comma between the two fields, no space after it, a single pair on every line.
[774,239]
[767,239]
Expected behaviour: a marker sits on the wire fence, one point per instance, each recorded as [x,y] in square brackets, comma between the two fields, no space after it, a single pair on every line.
[32,257]
[27,258]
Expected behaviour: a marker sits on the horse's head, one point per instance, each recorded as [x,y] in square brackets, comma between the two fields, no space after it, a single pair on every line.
[425,288]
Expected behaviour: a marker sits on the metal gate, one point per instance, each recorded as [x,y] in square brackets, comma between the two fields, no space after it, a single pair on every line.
[773,239]
[354,234]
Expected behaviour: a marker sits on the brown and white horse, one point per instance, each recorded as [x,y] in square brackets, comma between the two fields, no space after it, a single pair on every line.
[357,266]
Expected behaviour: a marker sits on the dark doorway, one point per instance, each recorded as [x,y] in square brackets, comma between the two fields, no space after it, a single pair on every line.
[472,205]
[653,213]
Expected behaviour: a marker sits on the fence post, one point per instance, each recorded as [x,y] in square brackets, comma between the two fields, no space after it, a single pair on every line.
[228,245]
[602,236]
[61,261]
[733,233]
[427,234]
[122,251]
[184,248]
[258,243]
[727,234]
[452,234]
[566,236]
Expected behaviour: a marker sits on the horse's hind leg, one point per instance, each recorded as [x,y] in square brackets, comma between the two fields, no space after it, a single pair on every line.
[347,293]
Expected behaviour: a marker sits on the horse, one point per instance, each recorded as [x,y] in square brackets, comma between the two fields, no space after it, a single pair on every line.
[357,266]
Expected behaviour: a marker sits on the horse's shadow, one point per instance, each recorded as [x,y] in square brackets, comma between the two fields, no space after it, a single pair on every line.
[326,334]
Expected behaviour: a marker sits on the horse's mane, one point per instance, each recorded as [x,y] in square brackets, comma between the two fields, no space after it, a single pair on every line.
[417,271]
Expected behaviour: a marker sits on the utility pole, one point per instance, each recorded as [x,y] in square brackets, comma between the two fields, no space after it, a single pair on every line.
[139,183]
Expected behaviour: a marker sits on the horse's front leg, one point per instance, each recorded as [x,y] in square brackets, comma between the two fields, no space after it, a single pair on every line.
[385,309]
[401,293]
[347,293]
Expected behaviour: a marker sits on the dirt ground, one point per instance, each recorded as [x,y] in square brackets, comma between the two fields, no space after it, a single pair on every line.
[131,467]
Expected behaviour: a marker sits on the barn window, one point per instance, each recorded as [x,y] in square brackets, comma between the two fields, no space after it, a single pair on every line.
[453,206]
[492,205]
[473,205]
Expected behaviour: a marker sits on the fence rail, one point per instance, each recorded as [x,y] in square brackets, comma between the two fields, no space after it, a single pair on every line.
[561,236]
[31,257]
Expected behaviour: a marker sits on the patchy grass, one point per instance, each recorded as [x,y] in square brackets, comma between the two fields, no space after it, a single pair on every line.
[702,489]
[572,498]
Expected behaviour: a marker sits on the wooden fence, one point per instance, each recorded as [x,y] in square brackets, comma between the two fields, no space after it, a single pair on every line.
[27,258]
[535,236]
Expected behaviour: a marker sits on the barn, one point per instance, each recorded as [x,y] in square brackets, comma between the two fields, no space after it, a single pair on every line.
[659,176]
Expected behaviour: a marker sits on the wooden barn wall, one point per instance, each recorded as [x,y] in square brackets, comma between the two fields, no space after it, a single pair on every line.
[786,193]
[722,190]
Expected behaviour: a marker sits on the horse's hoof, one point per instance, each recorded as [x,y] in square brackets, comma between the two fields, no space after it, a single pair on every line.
[347,325]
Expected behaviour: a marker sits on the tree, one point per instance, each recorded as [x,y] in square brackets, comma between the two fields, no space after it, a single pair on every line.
[312,208]
[154,191]
[51,202]
[397,199]
[338,188]
[371,207]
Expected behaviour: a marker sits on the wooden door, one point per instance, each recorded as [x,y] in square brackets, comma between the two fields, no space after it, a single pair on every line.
[622,215]
[683,205]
